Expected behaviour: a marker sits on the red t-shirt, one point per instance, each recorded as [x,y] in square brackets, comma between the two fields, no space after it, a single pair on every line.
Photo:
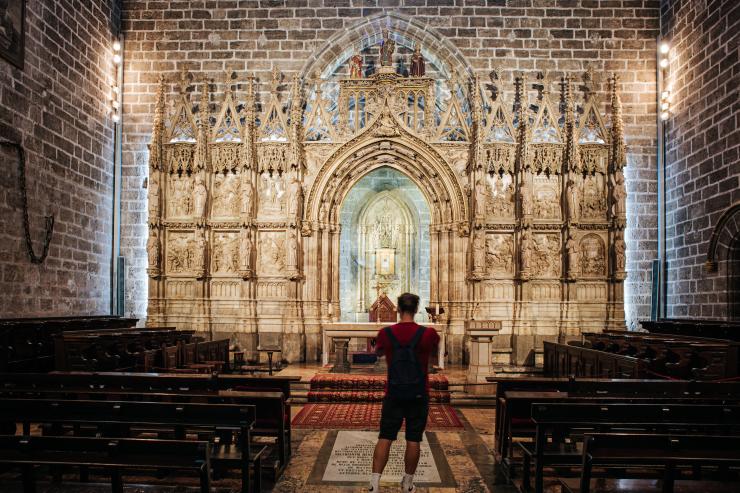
[404,332]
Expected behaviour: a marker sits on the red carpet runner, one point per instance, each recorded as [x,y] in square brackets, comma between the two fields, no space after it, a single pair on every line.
[366,388]
[353,402]
[366,416]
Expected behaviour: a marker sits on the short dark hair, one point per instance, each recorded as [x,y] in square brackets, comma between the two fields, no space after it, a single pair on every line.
[408,303]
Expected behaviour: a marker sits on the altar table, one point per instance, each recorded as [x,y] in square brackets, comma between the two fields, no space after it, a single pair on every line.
[348,330]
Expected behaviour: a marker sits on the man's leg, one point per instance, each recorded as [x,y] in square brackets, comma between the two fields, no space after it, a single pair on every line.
[391,418]
[411,458]
[380,456]
[416,421]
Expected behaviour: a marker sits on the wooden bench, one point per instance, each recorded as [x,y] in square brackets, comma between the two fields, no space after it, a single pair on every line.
[27,344]
[557,421]
[112,454]
[517,421]
[715,329]
[114,419]
[268,422]
[269,407]
[649,452]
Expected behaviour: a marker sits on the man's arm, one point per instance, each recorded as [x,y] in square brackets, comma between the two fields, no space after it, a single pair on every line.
[434,356]
[380,343]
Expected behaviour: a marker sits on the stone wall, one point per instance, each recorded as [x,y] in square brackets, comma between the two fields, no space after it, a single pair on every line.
[702,145]
[253,37]
[57,107]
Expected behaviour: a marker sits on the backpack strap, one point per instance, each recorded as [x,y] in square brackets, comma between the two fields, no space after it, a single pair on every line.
[417,337]
[394,341]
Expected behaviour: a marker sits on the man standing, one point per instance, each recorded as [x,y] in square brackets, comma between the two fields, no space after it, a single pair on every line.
[407,348]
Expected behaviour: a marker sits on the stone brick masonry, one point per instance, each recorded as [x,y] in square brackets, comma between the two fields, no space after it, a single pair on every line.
[251,36]
[58,108]
[703,142]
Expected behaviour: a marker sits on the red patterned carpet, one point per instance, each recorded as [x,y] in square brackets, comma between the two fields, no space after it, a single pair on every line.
[366,388]
[366,416]
[333,381]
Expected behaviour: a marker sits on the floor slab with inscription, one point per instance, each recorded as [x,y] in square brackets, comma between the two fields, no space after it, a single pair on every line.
[352,456]
[346,458]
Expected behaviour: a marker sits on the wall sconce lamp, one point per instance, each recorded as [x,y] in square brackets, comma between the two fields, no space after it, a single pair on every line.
[664,50]
[115,97]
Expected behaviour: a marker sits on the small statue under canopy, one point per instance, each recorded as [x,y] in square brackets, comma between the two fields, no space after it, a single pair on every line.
[387,47]
[417,63]
[355,66]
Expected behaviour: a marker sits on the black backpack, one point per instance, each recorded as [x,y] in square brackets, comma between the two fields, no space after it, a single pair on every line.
[406,379]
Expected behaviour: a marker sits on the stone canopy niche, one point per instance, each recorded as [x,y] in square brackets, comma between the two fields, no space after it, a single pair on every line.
[524,190]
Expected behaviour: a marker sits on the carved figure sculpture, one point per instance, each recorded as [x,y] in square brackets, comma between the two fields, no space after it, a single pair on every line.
[295,198]
[199,197]
[387,47]
[525,194]
[502,203]
[355,66]
[574,261]
[527,249]
[198,252]
[619,254]
[481,197]
[154,193]
[247,194]
[153,252]
[574,200]
[619,194]
[479,252]
[417,63]
[245,253]
[292,253]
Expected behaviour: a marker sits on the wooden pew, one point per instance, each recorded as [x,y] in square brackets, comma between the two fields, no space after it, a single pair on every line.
[122,419]
[269,407]
[514,418]
[112,454]
[674,355]
[650,451]
[28,344]
[139,383]
[715,329]
[556,421]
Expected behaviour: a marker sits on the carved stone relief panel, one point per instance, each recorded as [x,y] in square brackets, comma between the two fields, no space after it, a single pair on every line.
[593,205]
[501,196]
[271,253]
[546,197]
[181,254]
[500,254]
[225,252]
[180,196]
[593,256]
[226,199]
[546,255]
[271,195]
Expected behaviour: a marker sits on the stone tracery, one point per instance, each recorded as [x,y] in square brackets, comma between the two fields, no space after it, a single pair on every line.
[519,192]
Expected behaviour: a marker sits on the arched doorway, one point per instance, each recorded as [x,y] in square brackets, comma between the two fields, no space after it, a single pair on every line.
[384,242]
[733,279]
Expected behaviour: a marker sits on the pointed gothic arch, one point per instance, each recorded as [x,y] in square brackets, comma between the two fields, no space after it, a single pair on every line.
[405,30]
[387,143]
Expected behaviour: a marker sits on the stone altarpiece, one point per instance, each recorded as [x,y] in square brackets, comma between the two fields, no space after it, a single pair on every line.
[525,188]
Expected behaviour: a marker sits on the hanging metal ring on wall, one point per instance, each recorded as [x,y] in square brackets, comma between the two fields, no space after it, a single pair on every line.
[49,228]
